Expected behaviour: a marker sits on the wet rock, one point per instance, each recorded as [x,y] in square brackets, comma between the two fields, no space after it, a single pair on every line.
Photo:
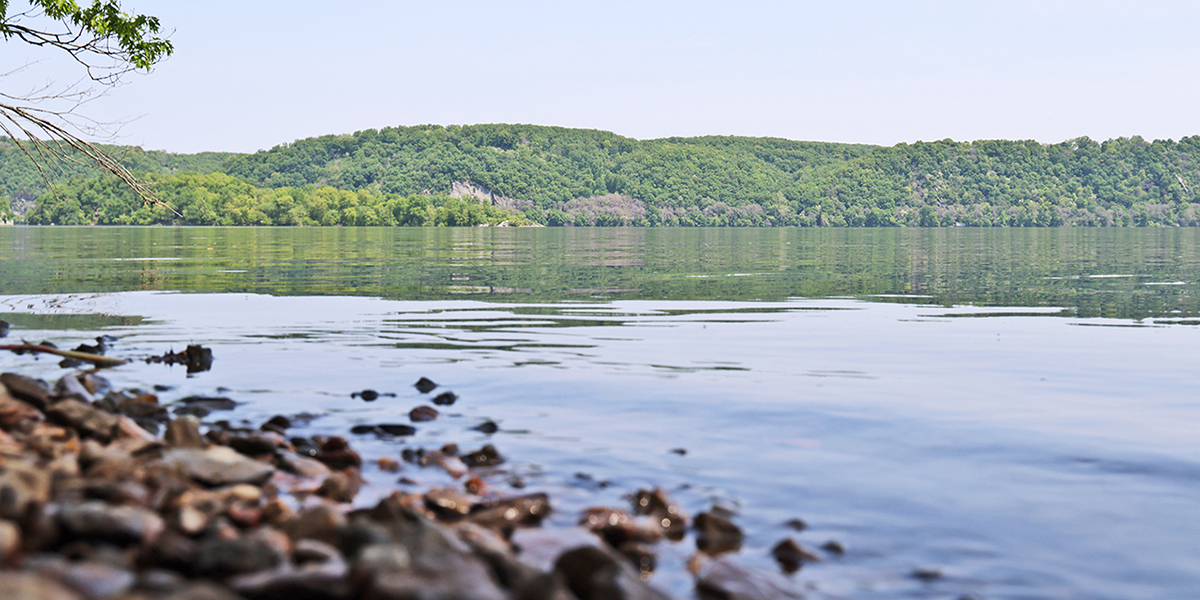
[424,385]
[256,443]
[117,492]
[445,399]
[217,466]
[87,420]
[796,524]
[448,503]
[660,505]
[384,429]
[388,464]
[223,558]
[505,515]
[201,406]
[184,432]
[488,427]
[679,451]
[423,413]
[445,575]
[540,548]
[834,547]
[336,454]
[723,579]
[926,574]
[716,534]
[116,525]
[592,573]
[366,395]
[32,391]
[619,528]
[34,586]
[487,456]
[197,358]
[791,556]
[278,424]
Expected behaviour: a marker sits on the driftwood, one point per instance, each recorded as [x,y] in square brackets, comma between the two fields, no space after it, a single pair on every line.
[95,359]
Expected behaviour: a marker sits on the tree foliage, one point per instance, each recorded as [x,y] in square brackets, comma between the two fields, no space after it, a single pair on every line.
[557,176]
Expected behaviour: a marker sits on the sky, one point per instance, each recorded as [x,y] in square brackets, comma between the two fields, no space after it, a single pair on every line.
[247,76]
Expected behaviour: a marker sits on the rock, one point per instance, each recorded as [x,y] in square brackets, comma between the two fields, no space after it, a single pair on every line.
[256,443]
[32,586]
[184,432]
[223,558]
[445,575]
[278,423]
[10,540]
[593,573]
[203,590]
[488,427]
[486,456]
[796,524]
[24,487]
[69,386]
[658,504]
[129,429]
[448,503]
[321,522]
[25,389]
[84,418]
[504,515]
[926,574]
[16,415]
[723,579]
[445,399]
[791,556]
[201,406]
[367,395]
[715,534]
[384,429]
[834,547]
[97,579]
[423,413]
[618,528]
[217,466]
[540,548]
[302,465]
[116,525]
[341,486]
[424,385]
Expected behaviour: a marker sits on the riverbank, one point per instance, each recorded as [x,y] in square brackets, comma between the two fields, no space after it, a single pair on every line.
[109,493]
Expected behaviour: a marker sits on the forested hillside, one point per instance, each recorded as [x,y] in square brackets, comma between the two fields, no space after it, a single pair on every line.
[558,176]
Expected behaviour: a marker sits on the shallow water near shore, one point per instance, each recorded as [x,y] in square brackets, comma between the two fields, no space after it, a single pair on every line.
[1017,410]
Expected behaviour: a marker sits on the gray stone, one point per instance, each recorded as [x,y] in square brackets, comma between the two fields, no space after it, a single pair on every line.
[117,525]
[222,558]
[723,579]
[217,466]
[88,420]
[595,573]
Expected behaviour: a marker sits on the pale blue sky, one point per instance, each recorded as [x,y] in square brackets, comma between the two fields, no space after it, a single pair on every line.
[248,75]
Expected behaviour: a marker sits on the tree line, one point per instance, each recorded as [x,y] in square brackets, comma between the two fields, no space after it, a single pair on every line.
[559,176]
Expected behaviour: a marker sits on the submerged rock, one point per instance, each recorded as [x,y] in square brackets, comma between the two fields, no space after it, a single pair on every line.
[445,399]
[716,534]
[424,385]
[791,556]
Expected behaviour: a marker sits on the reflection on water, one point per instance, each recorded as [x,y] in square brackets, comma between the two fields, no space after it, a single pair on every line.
[1119,273]
[1013,408]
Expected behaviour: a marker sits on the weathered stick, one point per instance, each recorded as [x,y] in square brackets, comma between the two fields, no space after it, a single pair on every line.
[95,359]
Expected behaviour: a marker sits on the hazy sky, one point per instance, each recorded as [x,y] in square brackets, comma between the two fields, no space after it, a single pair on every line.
[247,75]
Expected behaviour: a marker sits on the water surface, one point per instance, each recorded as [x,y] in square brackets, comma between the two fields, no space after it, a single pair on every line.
[1014,408]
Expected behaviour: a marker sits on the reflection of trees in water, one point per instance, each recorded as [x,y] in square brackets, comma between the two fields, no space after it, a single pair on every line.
[1122,273]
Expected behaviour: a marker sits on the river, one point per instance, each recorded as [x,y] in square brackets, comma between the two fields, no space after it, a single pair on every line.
[1016,410]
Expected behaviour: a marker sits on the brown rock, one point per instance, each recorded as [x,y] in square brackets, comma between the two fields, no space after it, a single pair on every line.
[423,413]
[10,540]
[791,556]
[16,415]
[341,486]
[222,558]
[716,534]
[657,503]
[217,466]
[487,456]
[84,418]
[723,579]
[594,573]
[117,525]
[23,487]
[28,390]
[506,514]
[448,503]
[184,432]
[33,586]
[320,523]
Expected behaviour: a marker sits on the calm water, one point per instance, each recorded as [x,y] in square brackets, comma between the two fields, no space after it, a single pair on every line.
[1016,408]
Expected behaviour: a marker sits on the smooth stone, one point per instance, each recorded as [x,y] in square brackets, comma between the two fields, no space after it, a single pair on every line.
[223,558]
[716,534]
[97,579]
[84,418]
[23,486]
[26,389]
[594,573]
[10,540]
[423,413]
[791,556]
[509,513]
[445,399]
[118,525]
[723,579]
[487,456]
[424,385]
[202,406]
[321,522]
[217,466]
[448,503]
[660,505]
[184,432]
[16,415]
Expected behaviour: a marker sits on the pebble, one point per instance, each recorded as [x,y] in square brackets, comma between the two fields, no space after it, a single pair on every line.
[218,465]
[423,413]
[791,556]
[445,399]
[716,534]
[424,385]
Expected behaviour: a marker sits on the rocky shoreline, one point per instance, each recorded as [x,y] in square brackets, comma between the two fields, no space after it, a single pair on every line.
[110,494]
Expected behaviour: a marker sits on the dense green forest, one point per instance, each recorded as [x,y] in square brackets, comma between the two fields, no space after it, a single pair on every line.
[555,176]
